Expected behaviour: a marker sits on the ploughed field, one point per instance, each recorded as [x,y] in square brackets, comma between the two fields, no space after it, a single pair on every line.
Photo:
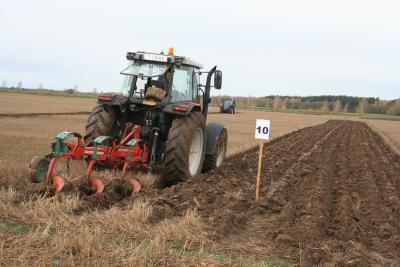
[330,194]
[334,196]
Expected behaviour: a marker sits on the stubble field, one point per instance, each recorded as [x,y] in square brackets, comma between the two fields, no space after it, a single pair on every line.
[330,195]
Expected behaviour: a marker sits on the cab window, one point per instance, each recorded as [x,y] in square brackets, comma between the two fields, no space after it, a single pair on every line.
[182,86]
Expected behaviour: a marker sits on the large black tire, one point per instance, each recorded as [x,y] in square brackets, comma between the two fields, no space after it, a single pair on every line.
[178,147]
[212,161]
[103,121]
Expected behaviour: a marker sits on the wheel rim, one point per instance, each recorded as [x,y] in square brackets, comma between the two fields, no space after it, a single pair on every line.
[220,154]
[196,151]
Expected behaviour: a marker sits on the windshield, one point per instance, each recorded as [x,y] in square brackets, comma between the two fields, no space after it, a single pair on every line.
[142,75]
[228,103]
[143,68]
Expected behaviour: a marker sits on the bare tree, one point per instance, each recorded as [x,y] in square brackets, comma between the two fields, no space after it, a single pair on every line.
[337,107]
[277,102]
[363,106]
[285,103]
[19,85]
[4,84]
[325,106]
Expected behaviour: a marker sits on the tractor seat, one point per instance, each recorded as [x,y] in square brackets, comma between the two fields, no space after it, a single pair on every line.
[155,93]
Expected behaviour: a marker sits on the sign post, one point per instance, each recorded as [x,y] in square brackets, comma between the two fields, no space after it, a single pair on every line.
[262,133]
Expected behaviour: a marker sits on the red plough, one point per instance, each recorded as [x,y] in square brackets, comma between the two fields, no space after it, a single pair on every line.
[131,151]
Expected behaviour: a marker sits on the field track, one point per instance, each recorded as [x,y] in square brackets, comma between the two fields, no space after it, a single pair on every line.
[334,198]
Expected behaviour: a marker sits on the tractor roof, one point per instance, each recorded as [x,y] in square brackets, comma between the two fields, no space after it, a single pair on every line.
[163,58]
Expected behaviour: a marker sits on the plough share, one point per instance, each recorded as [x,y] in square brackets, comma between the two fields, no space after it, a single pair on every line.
[131,151]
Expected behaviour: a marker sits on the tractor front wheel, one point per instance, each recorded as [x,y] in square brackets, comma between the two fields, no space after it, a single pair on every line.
[184,152]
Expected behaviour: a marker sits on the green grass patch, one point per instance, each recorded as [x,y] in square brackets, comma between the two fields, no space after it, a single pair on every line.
[381,117]
[176,249]
[175,246]
[317,112]
[14,228]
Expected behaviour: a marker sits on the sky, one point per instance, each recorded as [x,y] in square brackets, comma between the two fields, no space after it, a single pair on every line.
[263,47]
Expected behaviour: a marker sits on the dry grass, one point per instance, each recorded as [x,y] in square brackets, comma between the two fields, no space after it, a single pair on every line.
[114,236]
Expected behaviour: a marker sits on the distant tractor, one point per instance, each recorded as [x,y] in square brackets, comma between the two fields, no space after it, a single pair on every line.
[228,106]
[157,120]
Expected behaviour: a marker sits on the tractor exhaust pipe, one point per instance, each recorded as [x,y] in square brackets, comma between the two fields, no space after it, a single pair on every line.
[206,98]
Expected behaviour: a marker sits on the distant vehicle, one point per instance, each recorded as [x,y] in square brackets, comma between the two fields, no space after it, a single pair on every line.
[228,106]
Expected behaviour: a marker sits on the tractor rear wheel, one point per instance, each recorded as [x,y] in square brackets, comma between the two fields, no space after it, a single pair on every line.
[215,160]
[185,149]
[103,121]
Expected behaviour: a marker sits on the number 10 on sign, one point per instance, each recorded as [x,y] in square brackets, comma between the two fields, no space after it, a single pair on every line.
[262,133]
[262,129]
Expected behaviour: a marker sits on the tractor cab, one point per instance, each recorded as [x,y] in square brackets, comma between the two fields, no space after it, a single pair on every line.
[164,81]
[161,78]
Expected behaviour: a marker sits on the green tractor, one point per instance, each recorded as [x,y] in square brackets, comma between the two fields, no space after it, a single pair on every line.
[228,105]
[161,93]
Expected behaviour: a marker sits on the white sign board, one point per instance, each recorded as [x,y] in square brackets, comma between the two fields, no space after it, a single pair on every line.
[262,129]
[154,57]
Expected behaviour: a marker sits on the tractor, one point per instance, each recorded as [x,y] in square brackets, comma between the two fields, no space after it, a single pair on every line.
[228,106]
[157,120]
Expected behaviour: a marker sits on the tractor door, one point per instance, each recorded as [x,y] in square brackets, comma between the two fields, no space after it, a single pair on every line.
[184,86]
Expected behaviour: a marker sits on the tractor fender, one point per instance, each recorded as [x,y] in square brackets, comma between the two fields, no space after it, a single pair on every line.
[115,100]
[182,109]
[213,131]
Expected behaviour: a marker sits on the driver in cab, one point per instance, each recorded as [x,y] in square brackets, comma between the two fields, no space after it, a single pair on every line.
[159,88]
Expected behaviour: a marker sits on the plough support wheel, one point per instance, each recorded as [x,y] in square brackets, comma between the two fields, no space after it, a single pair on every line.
[38,169]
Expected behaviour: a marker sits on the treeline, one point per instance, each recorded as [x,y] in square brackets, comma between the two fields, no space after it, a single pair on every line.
[65,92]
[324,103]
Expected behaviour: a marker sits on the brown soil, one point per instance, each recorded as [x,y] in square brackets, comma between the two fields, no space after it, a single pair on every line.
[334,198]
[330,195]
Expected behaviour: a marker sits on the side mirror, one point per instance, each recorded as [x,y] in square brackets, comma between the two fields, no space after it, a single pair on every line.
[218,79]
